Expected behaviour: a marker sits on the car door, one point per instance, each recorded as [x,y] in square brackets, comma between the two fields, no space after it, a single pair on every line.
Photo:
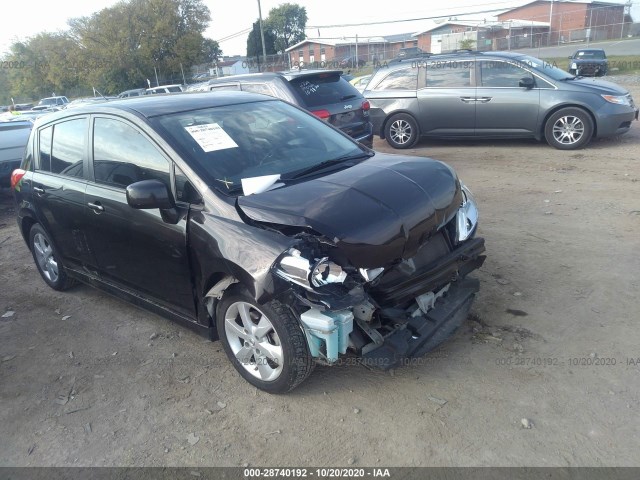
[446,97]
[135,249]
[59,187]
[395,92]
[504,107]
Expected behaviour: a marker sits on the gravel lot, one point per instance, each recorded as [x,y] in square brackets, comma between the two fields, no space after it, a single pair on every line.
[86,379]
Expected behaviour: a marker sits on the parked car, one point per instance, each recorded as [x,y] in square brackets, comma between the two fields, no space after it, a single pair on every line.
[51,103]
[325,93]
[589,62]
[494,95]
[352,62]
[14,135]
[254,222]
[136,92]
[360,82]
[165,89]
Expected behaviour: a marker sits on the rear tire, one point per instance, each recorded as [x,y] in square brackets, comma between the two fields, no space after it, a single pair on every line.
[569,129]
[265,343]
[401,131]
[47,260]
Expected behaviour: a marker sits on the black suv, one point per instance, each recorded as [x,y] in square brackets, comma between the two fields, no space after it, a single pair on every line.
[323,92]
[254,222]
[591,62]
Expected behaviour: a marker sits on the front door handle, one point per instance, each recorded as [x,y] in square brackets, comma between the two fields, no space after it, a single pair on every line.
[39,190]
[484,99]
[96,207]
[468,99]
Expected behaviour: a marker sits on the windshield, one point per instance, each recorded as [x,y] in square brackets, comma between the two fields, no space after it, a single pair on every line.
[234,142]
[545,68]
[596,54]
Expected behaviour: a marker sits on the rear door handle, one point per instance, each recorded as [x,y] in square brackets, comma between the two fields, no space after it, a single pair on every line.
[484,99]
[39,190]
[468,99]
[96,207]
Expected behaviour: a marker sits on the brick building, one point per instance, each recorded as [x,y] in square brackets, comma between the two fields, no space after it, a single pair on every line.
[573,21]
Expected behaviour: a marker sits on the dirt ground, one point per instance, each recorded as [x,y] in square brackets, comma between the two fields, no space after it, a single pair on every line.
[86,379]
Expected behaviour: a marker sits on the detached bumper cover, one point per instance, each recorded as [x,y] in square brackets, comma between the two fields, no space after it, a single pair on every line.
[424,333]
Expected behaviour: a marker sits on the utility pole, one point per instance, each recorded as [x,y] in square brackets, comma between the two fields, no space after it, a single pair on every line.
[264,50]
[550,23]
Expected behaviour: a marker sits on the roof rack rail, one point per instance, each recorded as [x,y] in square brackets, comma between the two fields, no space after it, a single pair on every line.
[466,50]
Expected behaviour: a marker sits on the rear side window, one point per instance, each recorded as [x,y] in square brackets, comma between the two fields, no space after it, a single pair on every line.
[122,155]
[450,74]
[63,147]
[234,86]
[174,89]
[405,79]
[323,90]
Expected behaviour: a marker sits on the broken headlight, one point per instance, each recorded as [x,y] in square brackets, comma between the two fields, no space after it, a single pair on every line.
[309,274]
[467,216]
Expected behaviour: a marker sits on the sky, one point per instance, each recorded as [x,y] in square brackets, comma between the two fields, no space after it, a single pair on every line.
[29,17]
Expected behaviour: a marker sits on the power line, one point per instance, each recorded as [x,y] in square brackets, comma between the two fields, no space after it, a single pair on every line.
[435,17]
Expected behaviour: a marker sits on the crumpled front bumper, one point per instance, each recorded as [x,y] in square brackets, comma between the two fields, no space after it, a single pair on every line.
[423,333]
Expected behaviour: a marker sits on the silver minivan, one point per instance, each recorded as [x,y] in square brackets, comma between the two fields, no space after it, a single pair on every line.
[494,95]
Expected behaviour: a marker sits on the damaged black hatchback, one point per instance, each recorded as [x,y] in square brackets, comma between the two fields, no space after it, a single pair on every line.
[255,223]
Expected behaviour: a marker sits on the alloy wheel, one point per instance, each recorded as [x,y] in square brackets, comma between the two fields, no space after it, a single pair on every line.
[254,341]
[400,131]
[568,130]
[44,256]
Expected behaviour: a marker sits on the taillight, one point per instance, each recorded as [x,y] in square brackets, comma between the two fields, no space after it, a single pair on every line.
[323,114]
[366,106]
[16,176]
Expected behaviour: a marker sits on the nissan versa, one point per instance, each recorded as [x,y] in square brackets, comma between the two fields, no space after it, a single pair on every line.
[254,222]
[494,95]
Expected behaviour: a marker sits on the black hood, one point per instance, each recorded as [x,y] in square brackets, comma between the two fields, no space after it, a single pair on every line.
[377,212]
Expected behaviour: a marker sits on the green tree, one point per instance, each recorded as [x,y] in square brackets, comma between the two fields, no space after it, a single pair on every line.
[254,41]
[287,22]
[466,44]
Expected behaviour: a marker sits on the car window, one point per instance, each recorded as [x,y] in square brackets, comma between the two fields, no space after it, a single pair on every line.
[449,74]
[45,148]
[185,191]
[323,89]
[495,73]
[122,155]
[174,89]
[68,147]
[262,88]
[234,86]
[404,79]
[589,54]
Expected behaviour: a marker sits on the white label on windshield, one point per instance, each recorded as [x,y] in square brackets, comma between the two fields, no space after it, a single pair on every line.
[580,54]
[211,137]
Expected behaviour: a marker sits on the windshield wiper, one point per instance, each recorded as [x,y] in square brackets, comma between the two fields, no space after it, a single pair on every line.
[327,163]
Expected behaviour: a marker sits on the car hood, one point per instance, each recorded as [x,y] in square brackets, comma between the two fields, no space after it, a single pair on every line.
[376,212]
[597,86]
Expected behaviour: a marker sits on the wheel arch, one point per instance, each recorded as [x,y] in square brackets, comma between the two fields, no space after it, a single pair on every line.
[543,124]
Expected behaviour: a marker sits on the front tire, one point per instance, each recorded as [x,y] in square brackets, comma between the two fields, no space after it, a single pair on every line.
[47,260]
[569,129]
[401,131]
[265,343]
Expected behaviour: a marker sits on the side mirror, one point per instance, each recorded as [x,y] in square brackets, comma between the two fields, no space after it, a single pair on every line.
[570,56]
[149,194]
[527,82]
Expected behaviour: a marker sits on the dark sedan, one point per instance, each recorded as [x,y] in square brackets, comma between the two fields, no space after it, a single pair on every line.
[254,222]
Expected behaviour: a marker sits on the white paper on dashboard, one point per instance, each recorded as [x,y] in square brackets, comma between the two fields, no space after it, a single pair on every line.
[260,184]
[211,137]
